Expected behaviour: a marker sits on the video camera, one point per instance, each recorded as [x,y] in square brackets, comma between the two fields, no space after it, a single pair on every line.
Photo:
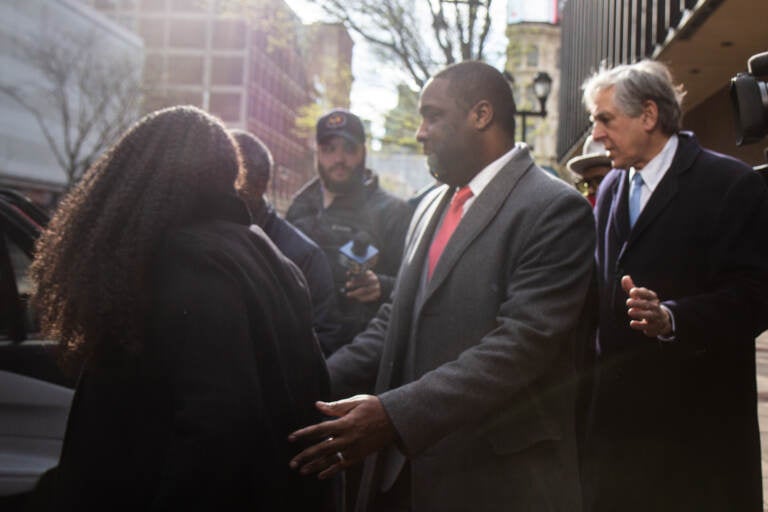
[749,97]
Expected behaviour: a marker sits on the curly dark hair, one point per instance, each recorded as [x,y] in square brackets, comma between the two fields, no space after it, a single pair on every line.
[92,264]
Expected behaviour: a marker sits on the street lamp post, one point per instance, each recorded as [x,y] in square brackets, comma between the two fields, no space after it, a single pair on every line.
[542,86]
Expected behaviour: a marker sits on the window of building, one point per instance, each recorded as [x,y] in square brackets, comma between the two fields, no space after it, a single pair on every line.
[152,5]
[153,32]
[154,71]
[532,56]
[189,5]
[187,34]
[185,70]
[226,105]
[105,5]
[227,70]
[229,35]
[177,97]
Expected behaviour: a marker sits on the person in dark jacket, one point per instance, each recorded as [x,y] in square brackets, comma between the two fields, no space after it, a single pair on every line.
[344,203]
[682,272]
[251,186]
[193,332]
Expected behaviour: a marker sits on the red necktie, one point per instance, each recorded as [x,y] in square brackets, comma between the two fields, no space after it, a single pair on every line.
[450,221]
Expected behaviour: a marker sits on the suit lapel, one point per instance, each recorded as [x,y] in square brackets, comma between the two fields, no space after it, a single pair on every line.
[483,210]
[417,246]
[620,206]
[620,212]
[667,188]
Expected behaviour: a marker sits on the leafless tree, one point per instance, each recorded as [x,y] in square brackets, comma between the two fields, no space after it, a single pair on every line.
[456,30]
[81,96]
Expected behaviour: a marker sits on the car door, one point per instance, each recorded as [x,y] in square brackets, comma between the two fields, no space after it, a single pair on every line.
[35,396]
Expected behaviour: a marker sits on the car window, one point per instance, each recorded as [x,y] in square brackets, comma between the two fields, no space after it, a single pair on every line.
[20,263]
[16,286]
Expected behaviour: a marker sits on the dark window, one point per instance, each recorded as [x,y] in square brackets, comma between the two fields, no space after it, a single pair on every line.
[229,34]
[532,56]
[188,6]
[104,5]
[186,98]
[152,5]
[227,70]
[153,68]
[187,34]
[226,106]
[153,32]
[185,70]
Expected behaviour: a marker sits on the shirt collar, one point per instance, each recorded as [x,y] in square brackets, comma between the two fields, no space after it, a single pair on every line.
[655,170]
[481,179]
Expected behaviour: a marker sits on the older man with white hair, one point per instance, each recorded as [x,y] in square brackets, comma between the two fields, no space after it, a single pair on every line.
[682,268]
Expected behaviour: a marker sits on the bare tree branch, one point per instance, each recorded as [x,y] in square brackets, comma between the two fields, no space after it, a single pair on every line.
[398,30]
[80,100]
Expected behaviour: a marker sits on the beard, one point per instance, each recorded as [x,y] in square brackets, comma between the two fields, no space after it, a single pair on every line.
[354,181]
[450,169]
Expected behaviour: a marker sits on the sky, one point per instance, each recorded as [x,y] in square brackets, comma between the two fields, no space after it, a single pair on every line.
[374,90]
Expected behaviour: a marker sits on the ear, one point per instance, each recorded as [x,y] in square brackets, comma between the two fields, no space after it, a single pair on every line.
[650,115]
[481,115]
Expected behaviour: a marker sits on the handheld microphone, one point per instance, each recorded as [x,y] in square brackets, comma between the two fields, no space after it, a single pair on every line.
[358,255]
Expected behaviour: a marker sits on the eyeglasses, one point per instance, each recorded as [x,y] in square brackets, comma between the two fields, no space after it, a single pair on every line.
[585,185]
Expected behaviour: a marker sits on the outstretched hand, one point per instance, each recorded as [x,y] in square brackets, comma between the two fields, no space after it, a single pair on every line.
[361,429]
[645,311]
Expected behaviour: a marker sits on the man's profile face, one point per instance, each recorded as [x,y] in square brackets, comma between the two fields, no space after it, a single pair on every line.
[444,133]
[340,163]
[627,139]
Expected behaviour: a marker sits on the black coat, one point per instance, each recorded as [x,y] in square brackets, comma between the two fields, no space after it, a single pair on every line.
[229,367]
[306,254]
[367,209]
[675,423]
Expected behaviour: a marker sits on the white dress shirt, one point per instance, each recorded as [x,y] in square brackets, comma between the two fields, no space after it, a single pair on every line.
[481,179]
[655,170]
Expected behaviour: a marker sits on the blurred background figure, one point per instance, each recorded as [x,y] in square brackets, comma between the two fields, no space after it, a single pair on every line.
[300,249]
[590,168]
[192,331]
[344,204]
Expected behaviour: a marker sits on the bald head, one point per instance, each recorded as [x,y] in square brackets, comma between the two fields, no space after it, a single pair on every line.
[473,81]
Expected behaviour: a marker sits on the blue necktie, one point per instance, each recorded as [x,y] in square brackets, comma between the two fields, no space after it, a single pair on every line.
[634,198]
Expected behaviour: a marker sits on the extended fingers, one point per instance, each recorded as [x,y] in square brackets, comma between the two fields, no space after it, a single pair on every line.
[314,455]
[642,294]
[316,432]
[325,464]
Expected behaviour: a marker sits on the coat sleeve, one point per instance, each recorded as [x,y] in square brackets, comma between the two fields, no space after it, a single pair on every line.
[354,367]
[321,288]
[738,268]
[542,304]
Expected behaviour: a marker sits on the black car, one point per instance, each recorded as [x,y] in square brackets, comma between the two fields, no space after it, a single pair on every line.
[34,394]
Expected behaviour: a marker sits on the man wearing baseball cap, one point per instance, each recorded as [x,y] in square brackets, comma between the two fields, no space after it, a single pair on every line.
[590,168]
[344,203]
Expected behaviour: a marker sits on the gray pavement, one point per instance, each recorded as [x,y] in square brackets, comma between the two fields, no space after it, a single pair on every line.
[762,406]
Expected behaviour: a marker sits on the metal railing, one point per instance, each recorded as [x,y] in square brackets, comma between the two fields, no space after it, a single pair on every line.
[611,32]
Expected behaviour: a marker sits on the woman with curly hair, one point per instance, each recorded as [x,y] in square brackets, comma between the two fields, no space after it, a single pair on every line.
[193,332]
